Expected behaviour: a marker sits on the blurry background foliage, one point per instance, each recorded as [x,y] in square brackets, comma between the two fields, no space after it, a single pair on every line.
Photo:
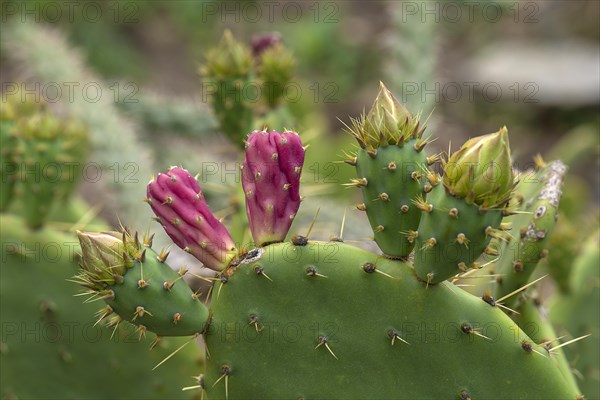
[344,49]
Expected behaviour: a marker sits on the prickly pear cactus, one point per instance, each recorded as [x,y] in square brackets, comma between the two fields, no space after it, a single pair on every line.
[50,153]
[464,211]
[309,319]
[275,69]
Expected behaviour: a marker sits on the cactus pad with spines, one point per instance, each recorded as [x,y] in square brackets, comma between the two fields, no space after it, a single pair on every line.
[536,199]
[451,236]
[393,179]
[50,153]
[464,212]
[139,286]
[50,345]
[306,319]
[335,317]
[391,168]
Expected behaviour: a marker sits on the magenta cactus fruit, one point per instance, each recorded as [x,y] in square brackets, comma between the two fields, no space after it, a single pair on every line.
[271,180]
[264,41]
[180,207]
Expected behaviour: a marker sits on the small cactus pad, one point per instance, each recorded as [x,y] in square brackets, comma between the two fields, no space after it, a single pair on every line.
[341,322]
[138,285]
[271,180]
[451,236]
[50,155]
[393,178]
[464,212]
[536,196]
[228,69]
[180,207]
[391,168]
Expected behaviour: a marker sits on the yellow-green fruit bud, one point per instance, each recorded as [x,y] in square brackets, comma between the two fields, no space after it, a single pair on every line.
[229,60]
[103,254]
[387,115]
[388,122]
[481,170]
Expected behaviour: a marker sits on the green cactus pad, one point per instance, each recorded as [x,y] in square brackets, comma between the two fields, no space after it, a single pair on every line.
[538,194]
[534,322]
[328,320]
[50,346]
[577,314]
[394,178]
[8,166]
[451,236]
[50,154]
[156,297]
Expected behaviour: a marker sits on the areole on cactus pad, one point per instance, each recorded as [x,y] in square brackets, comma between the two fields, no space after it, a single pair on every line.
[307,319]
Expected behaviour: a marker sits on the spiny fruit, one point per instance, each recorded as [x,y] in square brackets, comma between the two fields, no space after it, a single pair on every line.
[271,180]
[392,171]
[180,207]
